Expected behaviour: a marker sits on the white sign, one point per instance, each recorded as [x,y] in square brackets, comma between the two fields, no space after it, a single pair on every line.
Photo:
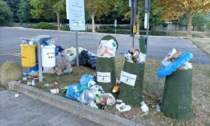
[67,9]
[145,21]
[115,23]
[104,77]
[128,78]
[76,14]
[129,3]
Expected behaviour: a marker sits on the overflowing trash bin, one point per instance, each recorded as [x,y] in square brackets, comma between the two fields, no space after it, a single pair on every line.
[132,78]
[177,95]
[105,63]
[28,54]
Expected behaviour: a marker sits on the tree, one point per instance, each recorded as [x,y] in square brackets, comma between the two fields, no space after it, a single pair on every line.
[174,9]
[24,8]
[5,13]
[13,4]
[96,8]
[198,21]
[48,9]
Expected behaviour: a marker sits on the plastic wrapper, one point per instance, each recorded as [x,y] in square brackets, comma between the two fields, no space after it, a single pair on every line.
[87,97]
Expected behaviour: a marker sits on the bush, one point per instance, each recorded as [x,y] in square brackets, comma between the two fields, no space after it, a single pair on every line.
[157,33]
[43,25]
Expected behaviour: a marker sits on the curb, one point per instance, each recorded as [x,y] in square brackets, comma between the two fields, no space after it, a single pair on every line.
[92,114]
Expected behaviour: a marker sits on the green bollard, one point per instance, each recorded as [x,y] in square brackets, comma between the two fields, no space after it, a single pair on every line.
[142,44]
[177,96]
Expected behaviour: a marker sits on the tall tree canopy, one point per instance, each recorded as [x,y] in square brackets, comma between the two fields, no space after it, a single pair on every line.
[95,8]
[174,9]
[48,9]
[13,4]
[5,13]
[24,8]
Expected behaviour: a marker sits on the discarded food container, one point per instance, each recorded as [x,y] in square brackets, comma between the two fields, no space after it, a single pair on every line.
[28,55]
[48,56]
[105,63]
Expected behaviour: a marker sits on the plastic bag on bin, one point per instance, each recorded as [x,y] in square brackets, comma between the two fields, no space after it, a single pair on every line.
[62,64]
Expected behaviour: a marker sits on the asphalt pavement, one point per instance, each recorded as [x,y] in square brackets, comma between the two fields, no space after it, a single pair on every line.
[158,46]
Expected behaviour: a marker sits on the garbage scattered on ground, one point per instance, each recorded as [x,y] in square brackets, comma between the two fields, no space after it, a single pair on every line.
[135,56]
[47,85]
[123,107]
[33,73]
[16,95]
[173,61]
[116,88]
[144,107]
[29,83]
[54,91]
[33,83]
[107,48]
[89,93]
[25,78]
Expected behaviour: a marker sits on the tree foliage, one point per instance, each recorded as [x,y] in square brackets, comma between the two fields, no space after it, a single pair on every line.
[24,8]
[198,21]
[95,8]
[13,4]
[174,9]
[48,9]
[5,13]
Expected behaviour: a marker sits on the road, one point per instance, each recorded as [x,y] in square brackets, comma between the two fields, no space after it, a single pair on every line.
[158,47]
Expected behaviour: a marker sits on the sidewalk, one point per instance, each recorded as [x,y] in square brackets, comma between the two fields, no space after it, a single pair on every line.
[25,111]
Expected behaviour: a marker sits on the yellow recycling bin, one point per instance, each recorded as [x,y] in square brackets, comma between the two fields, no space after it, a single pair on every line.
[28,55]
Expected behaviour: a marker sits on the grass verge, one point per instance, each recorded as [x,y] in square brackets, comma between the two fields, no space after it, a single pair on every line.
[152,87]
[204,44]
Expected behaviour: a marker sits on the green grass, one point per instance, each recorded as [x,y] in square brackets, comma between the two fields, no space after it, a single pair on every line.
[204,44]
[152,87]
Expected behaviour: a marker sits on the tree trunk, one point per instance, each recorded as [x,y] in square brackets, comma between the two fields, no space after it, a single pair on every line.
[93,23]
[58,20]
[138,25]
[189,25]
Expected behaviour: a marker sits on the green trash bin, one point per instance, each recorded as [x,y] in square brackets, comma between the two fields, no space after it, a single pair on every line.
[177,96]
[132,78]
[105,70]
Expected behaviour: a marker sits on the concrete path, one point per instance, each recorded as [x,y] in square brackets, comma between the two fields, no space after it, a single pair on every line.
[25,111]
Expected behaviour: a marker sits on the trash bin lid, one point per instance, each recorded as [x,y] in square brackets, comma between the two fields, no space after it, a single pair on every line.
[109,37]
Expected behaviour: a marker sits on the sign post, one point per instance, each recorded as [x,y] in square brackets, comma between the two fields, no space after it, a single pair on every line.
[76,15]
[115,25]
[146,20]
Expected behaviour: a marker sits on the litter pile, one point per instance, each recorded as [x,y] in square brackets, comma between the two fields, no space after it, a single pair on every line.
[86,58]
[135,56]
[107,48]
[89,93]
[175,60]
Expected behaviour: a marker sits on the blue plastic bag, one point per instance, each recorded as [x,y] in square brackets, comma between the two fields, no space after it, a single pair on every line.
[86,78]
[167,70]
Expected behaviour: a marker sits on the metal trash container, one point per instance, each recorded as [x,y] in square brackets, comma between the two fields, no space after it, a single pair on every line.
[105,70]
[132,78]
[177,96]
[28,55]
